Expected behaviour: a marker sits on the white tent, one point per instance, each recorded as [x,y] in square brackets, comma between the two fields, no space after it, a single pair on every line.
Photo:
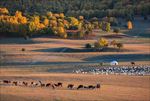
[114,63]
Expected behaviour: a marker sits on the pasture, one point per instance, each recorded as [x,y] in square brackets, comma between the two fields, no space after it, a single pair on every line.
[49,59]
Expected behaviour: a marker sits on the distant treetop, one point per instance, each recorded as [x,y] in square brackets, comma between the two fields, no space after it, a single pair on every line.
[87,8]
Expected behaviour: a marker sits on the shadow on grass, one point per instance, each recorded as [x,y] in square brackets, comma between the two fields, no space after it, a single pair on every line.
[21,41]
[76,50]
[120,57]
[138,33]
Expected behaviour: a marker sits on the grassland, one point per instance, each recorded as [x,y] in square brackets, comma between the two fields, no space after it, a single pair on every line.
[43,55]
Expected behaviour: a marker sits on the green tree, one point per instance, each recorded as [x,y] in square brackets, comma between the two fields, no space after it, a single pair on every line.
[108,27]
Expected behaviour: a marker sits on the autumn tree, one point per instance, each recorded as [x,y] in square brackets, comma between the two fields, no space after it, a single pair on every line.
[129,25]
[61,32]
[105,26]
[4,11]
[108,27]
[119,45]
[46,22]
[113,43]
[101,43]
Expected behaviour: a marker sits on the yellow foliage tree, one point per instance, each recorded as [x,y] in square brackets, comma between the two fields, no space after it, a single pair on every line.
[53,23]
[61,32]
[74,21]
[46,22]
[129,25]
[103,42]
[61,15]
[56,15]
[66,23]
[49,14]
[18,14]
[81,18]
[4,11]
[36,20]
[22,20]
[41,26]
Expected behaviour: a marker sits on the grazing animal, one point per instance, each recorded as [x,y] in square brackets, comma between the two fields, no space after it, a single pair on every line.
[85,87]
[15,83]
[6,81]
[34,84]
[91,87]
[70,86]
[42,85]
[98,86]
[25,83]
[53,86]
[48,84]
[80,86]
[59,84]
[132,63]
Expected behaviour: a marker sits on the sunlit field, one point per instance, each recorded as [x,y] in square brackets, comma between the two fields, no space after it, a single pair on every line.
[53,54]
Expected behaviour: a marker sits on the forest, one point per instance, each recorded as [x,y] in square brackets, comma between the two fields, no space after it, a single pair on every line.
[61,17]
[87,8]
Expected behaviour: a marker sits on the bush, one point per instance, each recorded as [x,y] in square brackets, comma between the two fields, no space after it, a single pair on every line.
[116,30]
[88,45]
[101,63]
[23,49]
[97,45]
[119,45]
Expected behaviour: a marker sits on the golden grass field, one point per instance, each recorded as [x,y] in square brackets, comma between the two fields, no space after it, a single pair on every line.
[113,87]
[44,54]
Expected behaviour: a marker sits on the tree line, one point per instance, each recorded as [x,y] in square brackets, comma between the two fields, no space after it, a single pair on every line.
[56,24]
[87,8]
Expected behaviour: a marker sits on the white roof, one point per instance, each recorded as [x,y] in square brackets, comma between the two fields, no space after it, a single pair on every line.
[113,63]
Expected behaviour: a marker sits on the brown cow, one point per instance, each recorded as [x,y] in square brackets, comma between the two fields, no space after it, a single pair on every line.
[91,87]
[132,63]
[42,84]
[15,83]
[6,81]
[80,86]
[98,85]
[59,84]
[48,84]
[70,86]
[25,83]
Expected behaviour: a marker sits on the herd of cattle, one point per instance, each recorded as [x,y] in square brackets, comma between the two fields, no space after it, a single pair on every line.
[52,85]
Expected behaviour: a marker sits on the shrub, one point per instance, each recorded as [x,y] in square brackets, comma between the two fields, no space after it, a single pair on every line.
[96,45]
[101,43]
[116,30]
[101,63]
[113,42]
[23,49]
[88,45]
[80,34]
[105,26]
[119,45]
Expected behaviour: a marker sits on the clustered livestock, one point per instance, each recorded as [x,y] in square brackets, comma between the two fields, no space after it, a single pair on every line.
[125,70]
[52,85]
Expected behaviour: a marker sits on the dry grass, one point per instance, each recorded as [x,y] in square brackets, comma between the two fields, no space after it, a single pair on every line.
[114,88]
[31,64]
